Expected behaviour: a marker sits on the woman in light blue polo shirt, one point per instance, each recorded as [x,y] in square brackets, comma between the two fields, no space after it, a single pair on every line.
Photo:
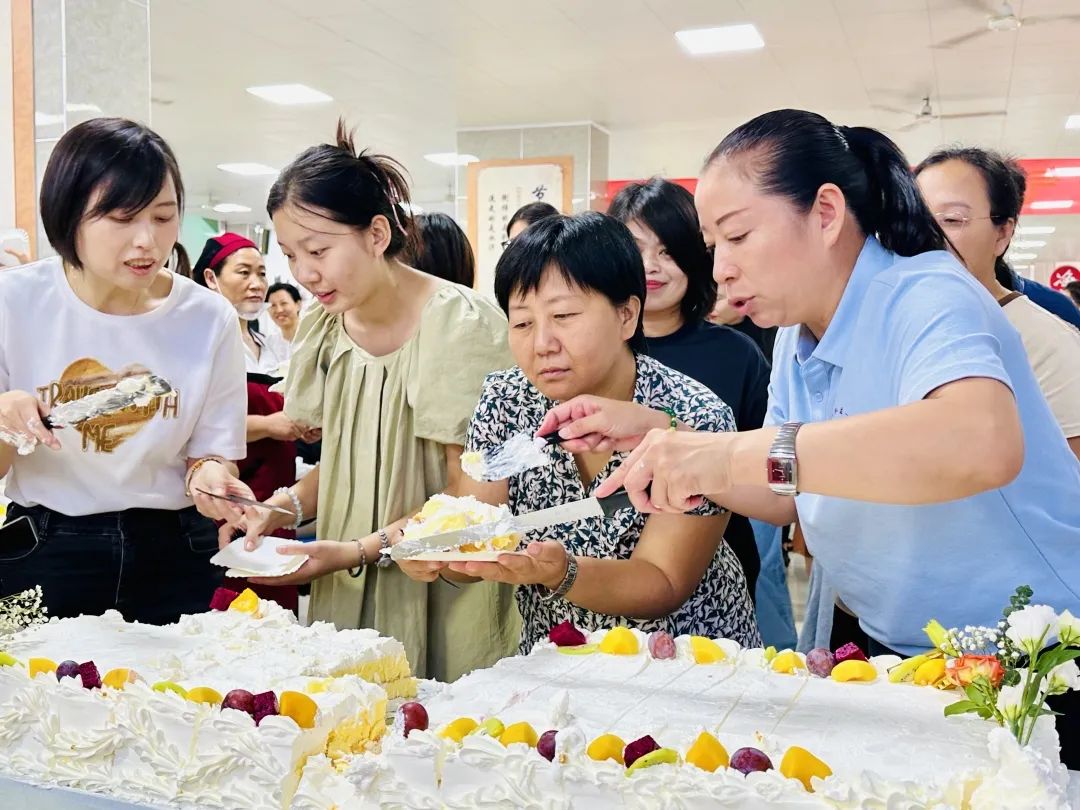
[932,478]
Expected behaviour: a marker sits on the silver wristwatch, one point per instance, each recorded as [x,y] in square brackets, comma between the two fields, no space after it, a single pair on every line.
[782,467]
[567,582]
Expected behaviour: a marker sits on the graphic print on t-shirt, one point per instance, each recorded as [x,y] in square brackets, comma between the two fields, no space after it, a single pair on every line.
[103,434]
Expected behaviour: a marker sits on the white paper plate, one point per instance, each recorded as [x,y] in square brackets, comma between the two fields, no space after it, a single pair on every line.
[264,561]
[463,556]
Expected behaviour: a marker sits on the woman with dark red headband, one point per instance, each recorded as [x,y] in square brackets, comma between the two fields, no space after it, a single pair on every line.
[232,265]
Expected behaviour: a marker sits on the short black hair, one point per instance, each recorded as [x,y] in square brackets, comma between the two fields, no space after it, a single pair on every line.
[444,249]
[593,251]
[284,286]
[531,213]
[125,163]
[1006,184]
[1073,288]
[667,209]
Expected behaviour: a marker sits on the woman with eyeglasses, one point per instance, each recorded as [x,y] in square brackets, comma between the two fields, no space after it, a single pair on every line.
[976,195]
[907,431]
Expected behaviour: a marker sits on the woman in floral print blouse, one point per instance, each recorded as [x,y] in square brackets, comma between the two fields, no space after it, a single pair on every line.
[572,288]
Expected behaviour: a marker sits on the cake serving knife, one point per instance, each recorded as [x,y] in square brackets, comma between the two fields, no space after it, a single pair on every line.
[136,390]
[571,512]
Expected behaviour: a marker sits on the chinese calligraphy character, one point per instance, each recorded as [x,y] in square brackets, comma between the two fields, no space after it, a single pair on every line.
[539,192]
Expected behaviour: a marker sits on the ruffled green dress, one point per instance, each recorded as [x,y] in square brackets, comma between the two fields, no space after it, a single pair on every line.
[384,423]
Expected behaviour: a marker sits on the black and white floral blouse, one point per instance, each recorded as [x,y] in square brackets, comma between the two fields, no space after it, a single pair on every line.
[719,607]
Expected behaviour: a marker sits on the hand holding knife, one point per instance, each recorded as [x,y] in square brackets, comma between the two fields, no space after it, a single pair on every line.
[241,501]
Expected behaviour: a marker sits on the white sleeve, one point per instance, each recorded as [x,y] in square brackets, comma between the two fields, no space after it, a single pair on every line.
[1052,347]
[221,426]
[5,341]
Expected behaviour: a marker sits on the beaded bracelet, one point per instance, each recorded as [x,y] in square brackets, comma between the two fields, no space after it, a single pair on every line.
[195,467]
[297,508]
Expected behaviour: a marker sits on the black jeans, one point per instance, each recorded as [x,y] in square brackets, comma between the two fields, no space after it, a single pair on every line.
[152,565]
[1068,720]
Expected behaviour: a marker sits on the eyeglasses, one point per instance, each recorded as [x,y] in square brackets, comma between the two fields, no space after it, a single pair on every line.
[951,221]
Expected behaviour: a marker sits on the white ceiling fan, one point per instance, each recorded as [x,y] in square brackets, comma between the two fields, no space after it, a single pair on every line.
[1002,18]
[926,114]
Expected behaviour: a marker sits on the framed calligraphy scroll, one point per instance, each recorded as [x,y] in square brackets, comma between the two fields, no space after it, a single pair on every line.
[498,188]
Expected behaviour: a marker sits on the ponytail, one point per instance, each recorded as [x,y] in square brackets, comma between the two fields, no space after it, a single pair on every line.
[350,187]
[895,210]
[796,152]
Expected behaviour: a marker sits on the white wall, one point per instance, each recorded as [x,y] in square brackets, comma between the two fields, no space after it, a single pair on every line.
[7,131]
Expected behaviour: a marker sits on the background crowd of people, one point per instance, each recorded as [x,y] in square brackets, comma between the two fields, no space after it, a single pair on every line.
[815,300]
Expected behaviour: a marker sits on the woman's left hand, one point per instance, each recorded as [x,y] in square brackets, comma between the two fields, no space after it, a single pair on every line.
[324,557]
[214,477]
[670,471]
[542,564]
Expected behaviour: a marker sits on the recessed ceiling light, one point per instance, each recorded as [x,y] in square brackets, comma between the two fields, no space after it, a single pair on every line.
[1022,266]
[1063,171]
[1036,230]
[724,39]
[451,158]
[1051,205]
[289,94]
[1023,257]
[231,208]
[1072,122]
[1029,243]
[248,169]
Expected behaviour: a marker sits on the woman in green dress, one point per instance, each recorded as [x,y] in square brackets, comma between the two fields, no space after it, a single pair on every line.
[390,364]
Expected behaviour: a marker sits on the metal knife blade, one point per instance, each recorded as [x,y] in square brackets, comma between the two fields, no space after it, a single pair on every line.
[242,501]
[542,518]
[127,392]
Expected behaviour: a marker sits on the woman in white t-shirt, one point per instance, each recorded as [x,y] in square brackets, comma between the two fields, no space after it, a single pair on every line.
[976,195]
[118,501]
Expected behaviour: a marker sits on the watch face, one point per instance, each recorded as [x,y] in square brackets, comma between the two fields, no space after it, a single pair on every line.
[781,470]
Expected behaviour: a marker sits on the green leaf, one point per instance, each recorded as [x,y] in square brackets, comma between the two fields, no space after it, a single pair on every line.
[1012,678]
[1054,657]
[962,707]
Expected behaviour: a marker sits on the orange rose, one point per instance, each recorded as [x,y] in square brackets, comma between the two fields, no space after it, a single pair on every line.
[967,668]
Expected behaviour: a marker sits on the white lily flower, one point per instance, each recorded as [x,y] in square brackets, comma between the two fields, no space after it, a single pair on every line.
[1010,702]
[1063,677]
[1032,628]
[1069,629]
